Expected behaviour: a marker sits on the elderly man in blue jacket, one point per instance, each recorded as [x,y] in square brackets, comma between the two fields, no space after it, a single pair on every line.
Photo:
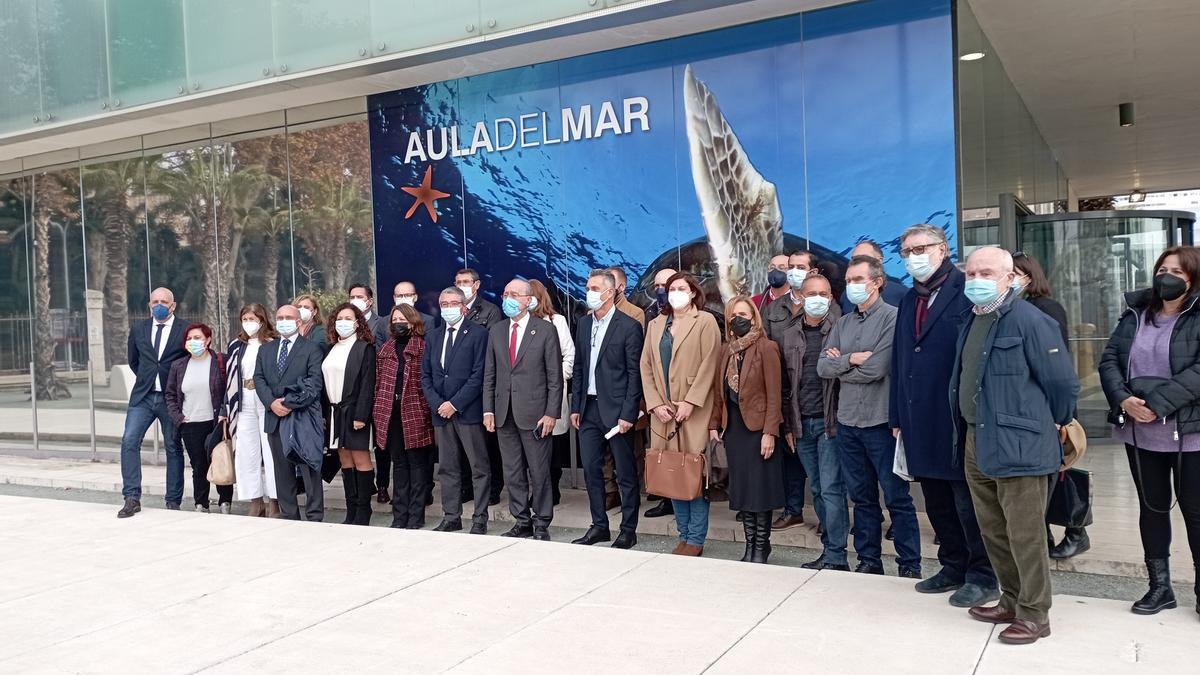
[927,325]
[1012,390]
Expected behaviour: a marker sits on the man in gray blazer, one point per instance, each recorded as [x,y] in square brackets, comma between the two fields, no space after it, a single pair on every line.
[522,398]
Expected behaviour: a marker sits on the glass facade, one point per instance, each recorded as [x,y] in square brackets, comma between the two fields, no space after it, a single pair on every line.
[69,59]
[224,215]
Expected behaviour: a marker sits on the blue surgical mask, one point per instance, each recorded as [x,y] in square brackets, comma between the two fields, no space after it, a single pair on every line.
[160,312]
[857,294]
[594,300]
[195,347]
[452,315]
[344,327]
[286,327]
[981,291]
[816,306]
[511,307]
[796,277]
[1017,286]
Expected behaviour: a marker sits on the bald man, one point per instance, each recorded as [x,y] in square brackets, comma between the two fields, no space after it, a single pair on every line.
[1012,388]
[660,293]
[154,344]
[622,303]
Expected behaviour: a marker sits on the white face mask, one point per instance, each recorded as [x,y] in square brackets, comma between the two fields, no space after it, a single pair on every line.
[360,304]
[306,314]
[468,290]
[918,266]
[595,299]
[816,306]
[796,277]
[679,300]
[251,327]
[404,300]
[344,327]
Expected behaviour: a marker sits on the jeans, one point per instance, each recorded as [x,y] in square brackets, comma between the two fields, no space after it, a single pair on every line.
[952,514]
[691,519]
[138,419]
[819,455]
[193,435]
[867,456]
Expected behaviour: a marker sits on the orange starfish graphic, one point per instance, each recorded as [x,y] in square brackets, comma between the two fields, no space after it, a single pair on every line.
[426,195]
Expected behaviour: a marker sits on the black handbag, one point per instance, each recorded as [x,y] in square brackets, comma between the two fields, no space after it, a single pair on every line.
[1071,501]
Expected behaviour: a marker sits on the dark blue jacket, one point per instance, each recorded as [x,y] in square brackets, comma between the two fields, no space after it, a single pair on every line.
[461,380]
[145,362]
[299,385]
[1027,384]
[921,368]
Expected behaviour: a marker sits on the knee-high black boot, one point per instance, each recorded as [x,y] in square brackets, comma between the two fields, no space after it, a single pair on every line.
[762,542]
[366,483]
[750,526]
[350,485]
[1160,596]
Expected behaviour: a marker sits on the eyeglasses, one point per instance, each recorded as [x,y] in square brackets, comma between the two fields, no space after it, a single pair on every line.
[920,249]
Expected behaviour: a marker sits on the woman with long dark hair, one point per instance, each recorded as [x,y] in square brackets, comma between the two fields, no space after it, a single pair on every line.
[1150,373]
[349,399]
[195,398]
[252,459]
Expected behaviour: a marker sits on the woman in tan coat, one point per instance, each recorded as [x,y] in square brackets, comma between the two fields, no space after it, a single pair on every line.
[747,413]
[678,364]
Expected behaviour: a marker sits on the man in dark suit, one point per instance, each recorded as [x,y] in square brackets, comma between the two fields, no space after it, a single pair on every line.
[452,379]
[287,378]
[608,389]
[154,344]
[363,297]
[522,398]
[487,315]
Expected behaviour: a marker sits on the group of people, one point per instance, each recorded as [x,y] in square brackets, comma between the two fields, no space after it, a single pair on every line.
[967,376]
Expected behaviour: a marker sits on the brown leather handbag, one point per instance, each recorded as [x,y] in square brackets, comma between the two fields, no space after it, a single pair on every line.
[673,473]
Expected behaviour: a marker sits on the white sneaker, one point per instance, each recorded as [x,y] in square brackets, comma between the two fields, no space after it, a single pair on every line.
[225,508]
[201,507]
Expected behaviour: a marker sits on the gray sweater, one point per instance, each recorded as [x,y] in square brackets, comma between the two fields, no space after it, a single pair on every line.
[863,400]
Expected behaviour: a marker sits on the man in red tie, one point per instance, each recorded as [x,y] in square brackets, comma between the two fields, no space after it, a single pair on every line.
[522,398]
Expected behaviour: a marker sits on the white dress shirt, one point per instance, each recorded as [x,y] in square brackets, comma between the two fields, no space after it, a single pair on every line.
[333,368]
[599,330]
[162,345]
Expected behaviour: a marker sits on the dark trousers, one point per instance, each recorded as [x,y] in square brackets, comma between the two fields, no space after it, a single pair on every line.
[412,480]
[495,464]
[961,553]
[193,435]
[526,457]
[560,458]
[794,476]
[285,485]
[867,456]
[383,466]
[456,440]
[1157,486]
[591,449]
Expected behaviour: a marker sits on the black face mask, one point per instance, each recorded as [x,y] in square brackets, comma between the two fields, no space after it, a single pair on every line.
[660,296]
[776,278]
[1169,287]
[739,326]
[401,331]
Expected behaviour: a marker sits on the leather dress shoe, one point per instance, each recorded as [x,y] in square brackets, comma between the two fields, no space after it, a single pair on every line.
[813,564]
[519,531]
[678,548]
[612,500]
[692,551]
[131,507]
[449,525]
[938,583]
[594,535]
[1023,632]
[867,568]
[172,506]
[787,521]
[974,595]
[541,534]
[826,565]
[993,614]
[479,528]
[909,572]
[663,508]
[625,540]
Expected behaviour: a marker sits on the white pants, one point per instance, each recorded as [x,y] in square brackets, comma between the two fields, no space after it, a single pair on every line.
[252,455]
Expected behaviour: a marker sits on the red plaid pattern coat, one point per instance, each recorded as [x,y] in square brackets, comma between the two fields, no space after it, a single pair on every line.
[414,410]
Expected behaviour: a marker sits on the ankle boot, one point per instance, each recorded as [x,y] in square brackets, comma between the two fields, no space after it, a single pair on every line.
[762,542]
[350,486]
[750,527]
[1160,596]
[257,508]
[366,488]
[1075,542]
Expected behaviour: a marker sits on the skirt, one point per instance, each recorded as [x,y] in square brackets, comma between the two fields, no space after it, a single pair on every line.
[755,484]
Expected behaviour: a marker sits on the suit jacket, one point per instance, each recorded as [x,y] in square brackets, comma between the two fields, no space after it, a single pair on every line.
[460,380]
[695,350]
[532,388]
[379,326]
[145,362]
[618,374]
[760,387]
[300,384]
[485,313]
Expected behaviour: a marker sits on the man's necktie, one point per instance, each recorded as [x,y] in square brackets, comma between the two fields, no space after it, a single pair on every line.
[449,344]
[158,337]
[283,354]
[512,347]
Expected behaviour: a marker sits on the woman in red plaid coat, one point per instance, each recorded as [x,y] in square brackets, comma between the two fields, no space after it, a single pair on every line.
[402,420]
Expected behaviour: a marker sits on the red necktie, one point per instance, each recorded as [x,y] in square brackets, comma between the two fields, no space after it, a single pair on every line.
[512,347]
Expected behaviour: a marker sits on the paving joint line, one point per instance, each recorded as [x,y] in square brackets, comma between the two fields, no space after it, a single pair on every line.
[759,622]
[983,650]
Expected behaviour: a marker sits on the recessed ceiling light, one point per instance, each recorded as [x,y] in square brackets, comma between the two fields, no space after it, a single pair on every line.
[971,56]
[1137,196]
